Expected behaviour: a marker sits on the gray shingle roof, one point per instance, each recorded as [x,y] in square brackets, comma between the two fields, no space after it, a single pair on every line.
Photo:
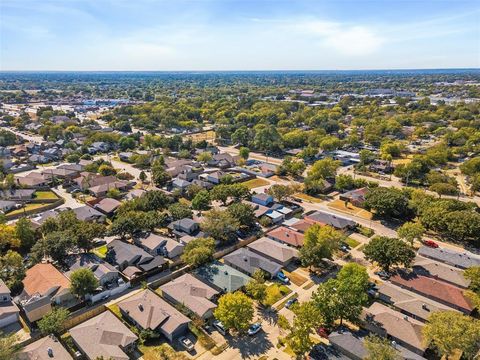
[462,260]
[223,277]
[330,219]
[248,261]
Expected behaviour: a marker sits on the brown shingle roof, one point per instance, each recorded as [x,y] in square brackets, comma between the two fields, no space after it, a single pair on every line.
[191,292]
[38,350]
[150,311]
[43,277]
[287,236]
[273,249]
[434,289]
[104,335]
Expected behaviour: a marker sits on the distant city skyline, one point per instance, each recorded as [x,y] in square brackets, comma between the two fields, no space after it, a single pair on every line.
[208,35]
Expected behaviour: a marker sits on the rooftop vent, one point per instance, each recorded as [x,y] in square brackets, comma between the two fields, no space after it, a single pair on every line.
[140,307]
[50,352]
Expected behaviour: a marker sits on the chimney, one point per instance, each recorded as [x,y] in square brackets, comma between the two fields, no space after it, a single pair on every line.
[405,318]
[140,307]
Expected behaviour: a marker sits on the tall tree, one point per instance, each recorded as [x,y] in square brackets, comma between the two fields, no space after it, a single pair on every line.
[380,349]
[83,282]
[54,321]
[320,242]
[25,233]
[199,251]
[448,331]
[411,231]
[220,225]
[235,311]
[9,346]
[388,252]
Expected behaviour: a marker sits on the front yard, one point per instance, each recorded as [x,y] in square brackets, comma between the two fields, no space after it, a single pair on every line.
[45,195]
[274,293]
[350,209]
[254,183]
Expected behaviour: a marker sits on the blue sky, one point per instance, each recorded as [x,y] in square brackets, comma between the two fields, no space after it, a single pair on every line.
[238,34]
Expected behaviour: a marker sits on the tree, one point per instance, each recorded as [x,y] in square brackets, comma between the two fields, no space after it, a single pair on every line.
[244,152]
[85,233]
[204,157]
[25,233]
[12,270]
[54,321]
[256,288]
[411,231]
[387,202]
[130,222]
[307,318]
[159,176]
[199,251]
[320,242]
[281,192]
[201,201]
[83,282]
[388,252]
[8,237]
[142,176]
[55,245]
[235,311]
[323,169]
[244,213]
[343,298]
[220,225]
[448,331]
[114,193]
[473,274]
[179,211]
[291,166]
[106,170]
[380,349]
[9,346]
[444,189]
[462,225]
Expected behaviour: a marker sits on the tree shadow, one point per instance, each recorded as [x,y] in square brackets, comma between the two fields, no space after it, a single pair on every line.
[251,346]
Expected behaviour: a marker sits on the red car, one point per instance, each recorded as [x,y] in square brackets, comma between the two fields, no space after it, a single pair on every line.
[323,332]
[431,244]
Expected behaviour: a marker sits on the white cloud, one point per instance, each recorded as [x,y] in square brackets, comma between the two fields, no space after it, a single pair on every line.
[355,40]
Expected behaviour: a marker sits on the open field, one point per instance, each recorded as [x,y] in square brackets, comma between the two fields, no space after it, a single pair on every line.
[254,183]
[45,195]
[350,209]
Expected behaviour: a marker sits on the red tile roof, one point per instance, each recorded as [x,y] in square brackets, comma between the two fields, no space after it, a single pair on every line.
[434,289]
[287,236]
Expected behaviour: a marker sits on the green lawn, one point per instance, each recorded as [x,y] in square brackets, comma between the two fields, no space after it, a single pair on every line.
[28,207]
[282,304]
[352,242]
[45,195]
[101,251]
[156,350]
[275,292]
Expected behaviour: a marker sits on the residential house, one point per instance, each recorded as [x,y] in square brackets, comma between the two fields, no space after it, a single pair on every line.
[42,285]
[103,271]
[192,293]
[8,310]
[224,160]
[262,199]
[436,270]
[17,194]
[102,189]
[408,303]
[352,345]
[160,245]
[355,197]
[33,180]
[148,311]
[125,156]
[248,261]
[222,277]
[461,260]
[287,236]
[87,213]
[381,166]
[180,184]
[134,194]
[437,290]
[203,184]
[124,254]
[7,205]
[384,321]
[274,250]
[87,180]
[300,225]
[184,226]
[107,206]
[338,222]
[275,216]
[104,336]
[46,348]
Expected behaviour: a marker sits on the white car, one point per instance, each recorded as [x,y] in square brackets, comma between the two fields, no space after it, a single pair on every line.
[186,343]
[254,328]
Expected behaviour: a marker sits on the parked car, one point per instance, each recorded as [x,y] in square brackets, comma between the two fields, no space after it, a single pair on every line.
[283,278]
[254,328]
[323,332]
[186,343]
[430,243]
[217,324]
[290,302]
[382,275]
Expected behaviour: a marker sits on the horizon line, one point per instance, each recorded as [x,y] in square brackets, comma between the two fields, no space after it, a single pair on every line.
[253,70]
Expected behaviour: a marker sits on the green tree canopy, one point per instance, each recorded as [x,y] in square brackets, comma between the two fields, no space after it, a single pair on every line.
[388,252]
[235,311]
